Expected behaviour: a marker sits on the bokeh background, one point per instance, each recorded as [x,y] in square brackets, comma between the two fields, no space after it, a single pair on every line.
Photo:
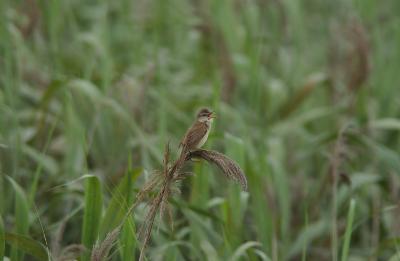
[308,103]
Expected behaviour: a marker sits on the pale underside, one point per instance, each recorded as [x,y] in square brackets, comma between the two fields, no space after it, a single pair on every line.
[204,139]
[197,135]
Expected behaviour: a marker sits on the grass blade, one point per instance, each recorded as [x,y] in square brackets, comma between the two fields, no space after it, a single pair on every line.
[119,203]
[127,241]
[241,251]
[21,215]
[386,124]
[92,213]
[2,239]
[349,226]
[27,245]
[304,92]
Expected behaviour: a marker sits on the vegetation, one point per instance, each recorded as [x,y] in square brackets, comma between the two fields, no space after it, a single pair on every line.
[307,103]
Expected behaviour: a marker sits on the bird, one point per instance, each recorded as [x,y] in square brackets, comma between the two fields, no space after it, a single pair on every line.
[197,135]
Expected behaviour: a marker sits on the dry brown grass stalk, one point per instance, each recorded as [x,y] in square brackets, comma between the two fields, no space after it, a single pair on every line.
[228,167]
[215,41]
[358,61]
[163,184]
[71,252]
[101,250]
[349,58]
[171,175]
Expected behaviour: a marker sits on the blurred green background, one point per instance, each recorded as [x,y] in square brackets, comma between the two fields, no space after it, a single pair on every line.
[308,103]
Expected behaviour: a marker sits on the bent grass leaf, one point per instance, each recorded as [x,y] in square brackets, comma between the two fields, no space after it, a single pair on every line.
[241,251]
[300,96]
[28,246]
[307,235]
[162,251]
[45,161]
[386,124]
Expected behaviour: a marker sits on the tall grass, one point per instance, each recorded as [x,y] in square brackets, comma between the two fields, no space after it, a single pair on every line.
[98,87]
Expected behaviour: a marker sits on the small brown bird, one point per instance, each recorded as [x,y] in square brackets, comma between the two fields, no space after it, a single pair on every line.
[197,134]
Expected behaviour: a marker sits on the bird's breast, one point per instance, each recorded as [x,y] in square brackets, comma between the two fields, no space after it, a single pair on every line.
[205,137]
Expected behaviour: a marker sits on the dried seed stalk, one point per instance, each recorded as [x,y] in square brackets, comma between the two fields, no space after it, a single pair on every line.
[101,250]
[171,175]
[228,167]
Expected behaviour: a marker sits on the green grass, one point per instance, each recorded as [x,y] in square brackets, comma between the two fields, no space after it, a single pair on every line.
[92,212]
[347,237]
[306,97]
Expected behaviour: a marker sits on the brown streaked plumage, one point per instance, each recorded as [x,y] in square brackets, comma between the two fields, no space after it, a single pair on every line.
[194,135]
[197,134]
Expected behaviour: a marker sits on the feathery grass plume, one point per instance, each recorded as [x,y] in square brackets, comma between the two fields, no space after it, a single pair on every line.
[349,56]
[164,181]
[159,202]
[230,168]
[71,252]
[154,182]
[101,250]
[358,60]
[214,38]
[158,179]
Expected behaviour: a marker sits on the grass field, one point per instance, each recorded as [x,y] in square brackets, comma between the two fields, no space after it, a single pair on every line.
[307,97]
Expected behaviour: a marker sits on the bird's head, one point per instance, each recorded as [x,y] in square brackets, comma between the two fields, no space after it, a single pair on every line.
[205,115]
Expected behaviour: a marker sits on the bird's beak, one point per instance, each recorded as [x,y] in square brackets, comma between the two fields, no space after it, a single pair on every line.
[212,115]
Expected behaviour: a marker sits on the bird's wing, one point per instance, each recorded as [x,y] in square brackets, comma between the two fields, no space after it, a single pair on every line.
[194,135]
